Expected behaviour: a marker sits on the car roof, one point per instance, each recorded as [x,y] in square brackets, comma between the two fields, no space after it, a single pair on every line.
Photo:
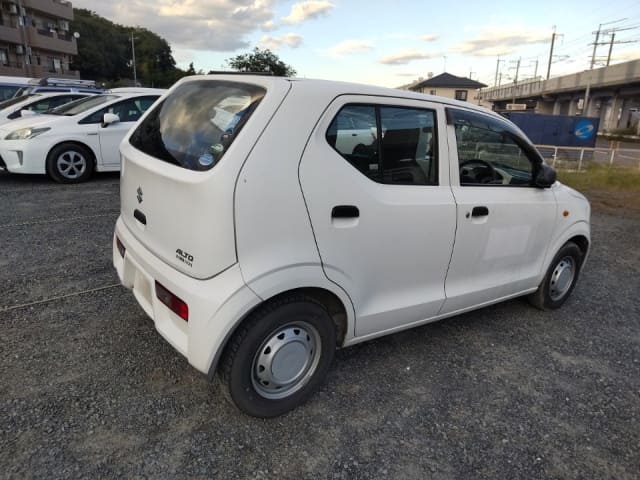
[331,89]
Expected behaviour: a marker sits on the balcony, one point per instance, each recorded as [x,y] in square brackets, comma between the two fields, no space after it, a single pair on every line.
[47,40]
[56,8]
[42,71]
[10,34]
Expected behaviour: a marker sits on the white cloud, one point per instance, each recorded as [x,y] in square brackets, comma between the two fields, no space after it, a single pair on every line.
[430,37]
[349,47]
[500,41]
[214,25]
[309,9]
[405,56]
[269,25]
[292,40]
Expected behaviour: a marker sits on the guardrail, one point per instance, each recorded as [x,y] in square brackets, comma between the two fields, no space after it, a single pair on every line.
[578,158]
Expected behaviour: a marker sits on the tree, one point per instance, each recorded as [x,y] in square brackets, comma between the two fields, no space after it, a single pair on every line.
[261,61]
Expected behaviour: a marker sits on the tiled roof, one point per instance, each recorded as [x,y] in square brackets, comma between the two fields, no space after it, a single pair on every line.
[448,80]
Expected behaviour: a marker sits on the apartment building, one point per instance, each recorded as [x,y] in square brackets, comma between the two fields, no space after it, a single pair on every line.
[35,40]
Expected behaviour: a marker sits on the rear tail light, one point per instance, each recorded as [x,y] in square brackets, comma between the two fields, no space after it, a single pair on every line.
[120,247]
[175,304]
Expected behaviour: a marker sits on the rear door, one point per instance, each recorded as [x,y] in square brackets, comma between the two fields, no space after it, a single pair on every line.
[180,166]
[504,223]
[382,211]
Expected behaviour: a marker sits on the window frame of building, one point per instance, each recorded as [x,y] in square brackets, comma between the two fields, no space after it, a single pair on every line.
[461,95]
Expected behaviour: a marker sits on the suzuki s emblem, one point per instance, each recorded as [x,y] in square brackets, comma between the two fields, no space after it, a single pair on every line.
[139,195]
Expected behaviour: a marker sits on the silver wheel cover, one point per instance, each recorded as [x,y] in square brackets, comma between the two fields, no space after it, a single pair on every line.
[286,360]
[562,278]
[71,164]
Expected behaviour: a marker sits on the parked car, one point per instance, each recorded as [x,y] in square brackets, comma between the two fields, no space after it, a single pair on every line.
[71,141]
[258,239]
[50,84]
[17,107]
[9,86]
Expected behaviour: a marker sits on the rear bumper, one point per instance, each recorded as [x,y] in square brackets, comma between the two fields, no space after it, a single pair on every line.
[216,305]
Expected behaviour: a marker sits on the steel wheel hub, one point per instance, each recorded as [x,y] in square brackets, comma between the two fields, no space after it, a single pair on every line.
[562,278]
[71,164]
[286,360]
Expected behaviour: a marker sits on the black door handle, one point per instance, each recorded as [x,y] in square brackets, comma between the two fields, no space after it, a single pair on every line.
[479,212]
[141,217]
[345,211]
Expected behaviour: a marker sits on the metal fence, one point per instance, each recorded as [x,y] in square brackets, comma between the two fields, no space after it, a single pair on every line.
[578,159]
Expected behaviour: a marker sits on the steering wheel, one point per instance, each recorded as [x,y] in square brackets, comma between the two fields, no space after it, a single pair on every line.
[486,166]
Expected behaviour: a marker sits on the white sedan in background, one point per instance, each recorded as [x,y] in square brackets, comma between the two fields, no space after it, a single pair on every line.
[18,107]
[70,142]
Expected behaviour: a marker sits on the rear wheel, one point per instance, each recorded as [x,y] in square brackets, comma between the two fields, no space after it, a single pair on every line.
[70,163]
[560,279]
[279,356]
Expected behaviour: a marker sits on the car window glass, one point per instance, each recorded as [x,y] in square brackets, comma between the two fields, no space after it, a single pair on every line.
[353,134]
[82,105]
[129,110]
[197,123]
[408,151]
[488,153]
[402,154]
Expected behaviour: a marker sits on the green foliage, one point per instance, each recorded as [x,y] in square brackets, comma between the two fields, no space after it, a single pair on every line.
[104,52]
[261,61]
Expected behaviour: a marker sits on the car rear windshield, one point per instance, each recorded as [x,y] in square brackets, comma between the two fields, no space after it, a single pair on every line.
[195,125]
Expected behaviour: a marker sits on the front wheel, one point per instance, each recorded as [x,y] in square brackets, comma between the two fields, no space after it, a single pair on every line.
[279,356]
[69,163]
[560,279]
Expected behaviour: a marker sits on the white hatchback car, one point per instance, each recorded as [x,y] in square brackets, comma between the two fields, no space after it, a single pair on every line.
[71,141]
[259,238]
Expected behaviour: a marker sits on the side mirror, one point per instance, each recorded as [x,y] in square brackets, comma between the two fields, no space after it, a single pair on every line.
[109,118]
[27,113]
[545,176]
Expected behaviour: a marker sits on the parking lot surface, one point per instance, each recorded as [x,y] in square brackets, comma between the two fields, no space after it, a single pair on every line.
[88,389]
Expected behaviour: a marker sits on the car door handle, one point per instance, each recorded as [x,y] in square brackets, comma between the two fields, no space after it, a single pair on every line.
[479,212]
[93,133]
[345,211]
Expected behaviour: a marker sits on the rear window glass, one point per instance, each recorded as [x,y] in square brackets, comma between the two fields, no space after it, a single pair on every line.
[195,125]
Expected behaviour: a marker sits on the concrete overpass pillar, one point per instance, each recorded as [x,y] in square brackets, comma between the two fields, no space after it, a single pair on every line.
[614,113]
[556,107]
[573,106]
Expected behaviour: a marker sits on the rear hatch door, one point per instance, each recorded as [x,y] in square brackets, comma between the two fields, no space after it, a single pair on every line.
[180,164]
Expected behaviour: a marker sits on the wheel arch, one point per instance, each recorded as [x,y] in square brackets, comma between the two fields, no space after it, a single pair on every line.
[330,300]
[578,233]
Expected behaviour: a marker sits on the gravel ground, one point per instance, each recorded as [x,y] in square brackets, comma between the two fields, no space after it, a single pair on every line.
[89,390]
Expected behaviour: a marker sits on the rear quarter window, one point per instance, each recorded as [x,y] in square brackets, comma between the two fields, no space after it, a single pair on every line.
[195,125]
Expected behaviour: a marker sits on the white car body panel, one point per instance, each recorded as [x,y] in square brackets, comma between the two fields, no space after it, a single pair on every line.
[259,224]
[103,142]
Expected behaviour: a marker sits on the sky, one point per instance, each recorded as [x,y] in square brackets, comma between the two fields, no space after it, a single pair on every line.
[389,43]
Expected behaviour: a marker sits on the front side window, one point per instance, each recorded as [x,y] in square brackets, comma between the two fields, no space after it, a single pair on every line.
[195,125]
[490,152]
[129,110]
[391,145]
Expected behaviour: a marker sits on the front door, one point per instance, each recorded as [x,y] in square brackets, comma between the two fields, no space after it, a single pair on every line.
[382,211]
[504,223]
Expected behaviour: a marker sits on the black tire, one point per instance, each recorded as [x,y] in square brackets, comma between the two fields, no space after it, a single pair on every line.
[70,163]
[294,337]
[560,279]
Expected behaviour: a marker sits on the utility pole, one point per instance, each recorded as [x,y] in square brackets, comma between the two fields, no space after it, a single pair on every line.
[515,81]
[553,42]
[133,54]
[613,37]
[495,81]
